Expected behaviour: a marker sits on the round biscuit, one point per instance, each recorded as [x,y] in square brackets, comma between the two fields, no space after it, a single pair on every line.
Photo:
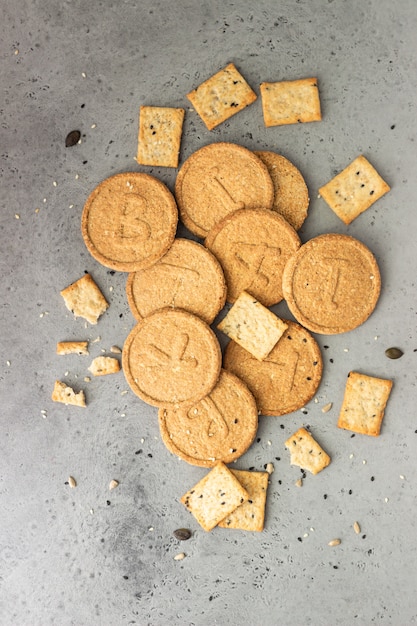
[129,221]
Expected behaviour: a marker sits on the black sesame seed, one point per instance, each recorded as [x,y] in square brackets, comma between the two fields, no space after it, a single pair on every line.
[372,478]
[325,496]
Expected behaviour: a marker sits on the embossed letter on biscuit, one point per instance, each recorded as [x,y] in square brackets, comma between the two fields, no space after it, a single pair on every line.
[132,222]
[174,360]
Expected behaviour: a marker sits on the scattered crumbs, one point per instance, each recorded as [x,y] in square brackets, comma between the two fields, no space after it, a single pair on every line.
[122,414]
[357,528]
[327,407]
[299,482]
[72,482]
[334,542]
[87,379]
[179,557]
[270,468]
[113,484]
[372,478]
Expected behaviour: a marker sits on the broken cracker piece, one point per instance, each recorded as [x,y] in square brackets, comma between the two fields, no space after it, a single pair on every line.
[66,395]
[251,514]
[103,365]
[306,452]
[72,347]
[84,299]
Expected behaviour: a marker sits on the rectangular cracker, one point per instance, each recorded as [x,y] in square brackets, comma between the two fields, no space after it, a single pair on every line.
[84,299]
[290,102]
[215,496]
[221,96]
[103,365]
[251,514]
[306,452]
[72,347]
[354,190]
[65,394]
[159,137]
[252,326]
[364,403]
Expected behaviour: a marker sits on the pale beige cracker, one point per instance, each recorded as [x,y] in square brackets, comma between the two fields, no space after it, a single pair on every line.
[84,299]
[188,277]
[252,326]
[253,247]
[72,347]
[218,179]
[306,452]
[251,514]
[66,395]
[103,365]
[332,284]
[291,198]
[364,403]
[354,190]
[215,496]
[129,221]
[220,427]
[290,102]
[159,138]
[287,379]
[171,356]
[221,96]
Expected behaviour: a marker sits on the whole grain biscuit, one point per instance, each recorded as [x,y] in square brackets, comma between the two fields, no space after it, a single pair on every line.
[251,514]
[253,247]
[188,276]
[129,221]
[222,95]
[290,102]
[159,137]
[332,284]
[84,299]
[217,180]
[306,452]
[287,379]
[171,356]
[291,198]
[220,427]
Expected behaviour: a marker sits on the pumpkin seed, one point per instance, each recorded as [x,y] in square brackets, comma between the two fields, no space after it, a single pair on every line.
[394,353]
[72,138]
[182,534]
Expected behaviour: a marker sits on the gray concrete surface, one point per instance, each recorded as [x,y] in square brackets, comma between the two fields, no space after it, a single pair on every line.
[87,556]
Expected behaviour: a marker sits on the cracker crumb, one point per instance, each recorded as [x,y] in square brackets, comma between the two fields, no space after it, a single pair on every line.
[113,484]
[299,482]
[270,468]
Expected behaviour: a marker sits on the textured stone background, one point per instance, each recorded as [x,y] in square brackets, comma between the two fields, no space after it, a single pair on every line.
[64,565]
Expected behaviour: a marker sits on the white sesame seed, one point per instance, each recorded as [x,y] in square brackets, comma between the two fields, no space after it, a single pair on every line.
[269,443]
[83,74]
[8,363]
[312,530]
[179,557]
[54,183]
[93,125]
[122,414]
[92,511]
[71,206]
[402,477]
[44,200]
[327,407]
[150,529]
[124,392]
[142,440]
[37,210]
[346,350]
[16,52]
[386,500]
[364,462]
[110,288]
[305,535]
[351,456]
[17,216]
[76,176]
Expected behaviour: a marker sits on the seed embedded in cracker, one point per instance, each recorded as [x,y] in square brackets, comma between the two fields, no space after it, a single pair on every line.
[306,452]
[84,299]
[221,96]
[103,365]
[364,403]
[215,496]
[72,347]
[290,102]
[159,139]
[354,190]
[66,395]
[251,514]
[254,327]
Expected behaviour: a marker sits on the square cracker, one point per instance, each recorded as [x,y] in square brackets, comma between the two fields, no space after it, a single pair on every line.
[364,403]
[306,452]
[84,299]
[62,393]
[159,138]
[102,365]
[72,347]
[252,326]
[215,496]
[251,514]
[354,190]
[290,102]
[221,96]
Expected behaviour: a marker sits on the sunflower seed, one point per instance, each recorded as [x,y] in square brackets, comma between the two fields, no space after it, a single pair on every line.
[334,542]
[72,138]
[72,482]
[327,407]
[394,353]
[179,557]
[182,534]
[356,528]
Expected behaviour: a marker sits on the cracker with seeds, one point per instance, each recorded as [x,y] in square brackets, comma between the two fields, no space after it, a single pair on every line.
[66,395]
[354,190]
[251,514]
[221,96]
[254,327]
[306,452]
[84,299]
[159,139]
[215,496]
[72,347]
[290,102]
[364,404]
[103,365]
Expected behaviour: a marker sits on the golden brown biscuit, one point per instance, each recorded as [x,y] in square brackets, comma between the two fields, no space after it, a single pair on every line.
[159,137]
[290,102]
[287,379]
[306,452]
[332,284]
[220,427]
[253,246]
[251,514]
[170,357]
[218,179]
[129,221]
[84,299]
[291,198]
[188,277]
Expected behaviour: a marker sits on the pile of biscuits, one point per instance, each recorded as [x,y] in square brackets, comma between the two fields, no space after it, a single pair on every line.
[246,207]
